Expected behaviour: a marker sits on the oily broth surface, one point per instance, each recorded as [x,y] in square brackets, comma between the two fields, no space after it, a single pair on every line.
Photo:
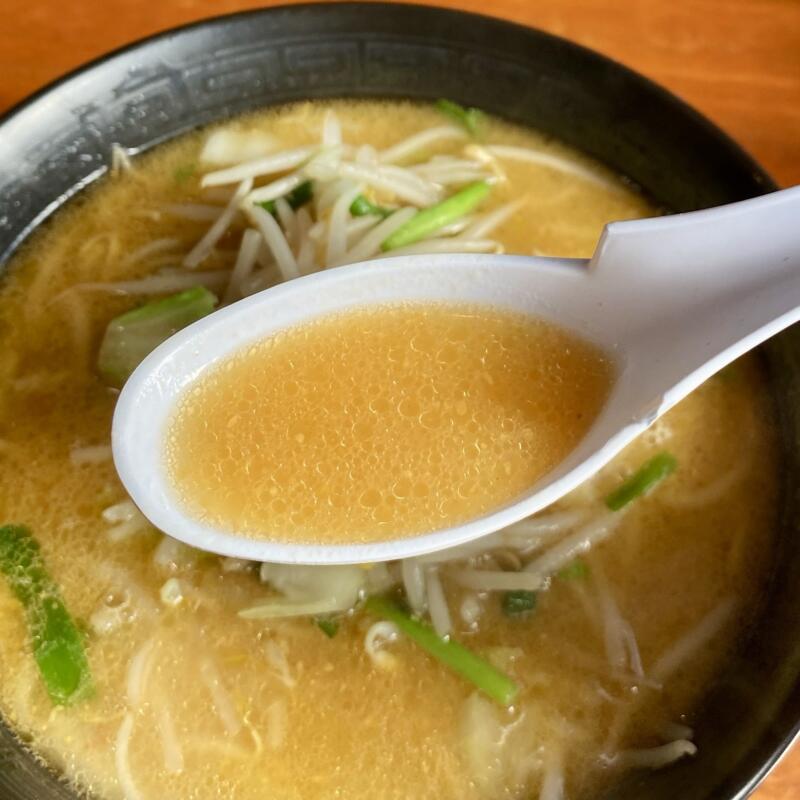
[377,423]
[704,535]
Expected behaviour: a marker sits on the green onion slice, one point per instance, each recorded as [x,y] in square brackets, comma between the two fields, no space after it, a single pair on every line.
[518,602]
[429,220]
[464,662]
[184,173]
[298,197]
[576,570]
[328,625]
[57,641]
[472,119]
[651,473]
[361,207]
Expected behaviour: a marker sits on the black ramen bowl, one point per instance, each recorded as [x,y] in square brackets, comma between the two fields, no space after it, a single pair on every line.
[59,141]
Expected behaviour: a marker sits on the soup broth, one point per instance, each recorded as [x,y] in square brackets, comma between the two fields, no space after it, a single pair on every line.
[384,422]
[205,685]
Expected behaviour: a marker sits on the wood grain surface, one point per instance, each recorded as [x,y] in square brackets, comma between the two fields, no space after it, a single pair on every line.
[738,61]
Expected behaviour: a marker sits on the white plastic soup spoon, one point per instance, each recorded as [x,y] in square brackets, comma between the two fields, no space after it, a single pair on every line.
[671,300]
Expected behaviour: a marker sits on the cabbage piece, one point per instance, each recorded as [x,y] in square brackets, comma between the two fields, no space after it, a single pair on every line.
[339,584]
[130,337]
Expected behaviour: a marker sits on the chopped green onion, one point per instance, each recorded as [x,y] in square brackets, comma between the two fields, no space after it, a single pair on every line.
[57,641]
[298,197]
[577,570]
[133,335]
[518,602]
[328,625]
[184,172]
[429,220]
[655,470]
[468,665]
[361,207]
[473,119]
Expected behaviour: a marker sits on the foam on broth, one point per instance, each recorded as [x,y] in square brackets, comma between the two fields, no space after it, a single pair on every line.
[318,718]
[382,422]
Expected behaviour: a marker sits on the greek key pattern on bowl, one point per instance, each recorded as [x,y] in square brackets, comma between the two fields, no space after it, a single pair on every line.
[148,104]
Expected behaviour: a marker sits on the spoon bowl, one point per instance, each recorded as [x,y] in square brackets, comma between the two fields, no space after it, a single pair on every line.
[670,300]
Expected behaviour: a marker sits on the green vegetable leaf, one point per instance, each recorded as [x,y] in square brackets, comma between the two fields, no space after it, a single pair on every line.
[429,220]
[464,662]
[361,207]
[651,473]
[328,625]
[133,335]
[577,570]
[298,197]
[472,119]
[518,602]
[57,641]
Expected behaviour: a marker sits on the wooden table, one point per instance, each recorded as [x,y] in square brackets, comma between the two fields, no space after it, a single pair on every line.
[738,61]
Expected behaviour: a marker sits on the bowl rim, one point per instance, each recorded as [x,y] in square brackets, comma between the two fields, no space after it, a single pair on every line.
[760,176]
[22,105]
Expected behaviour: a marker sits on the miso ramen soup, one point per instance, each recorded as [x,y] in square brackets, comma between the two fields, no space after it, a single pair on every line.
[382,422]
[544,661]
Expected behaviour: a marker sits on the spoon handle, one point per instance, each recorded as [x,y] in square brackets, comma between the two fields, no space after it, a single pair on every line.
[695,291]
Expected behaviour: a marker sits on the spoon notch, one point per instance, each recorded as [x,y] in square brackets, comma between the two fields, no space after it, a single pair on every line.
[671,300]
